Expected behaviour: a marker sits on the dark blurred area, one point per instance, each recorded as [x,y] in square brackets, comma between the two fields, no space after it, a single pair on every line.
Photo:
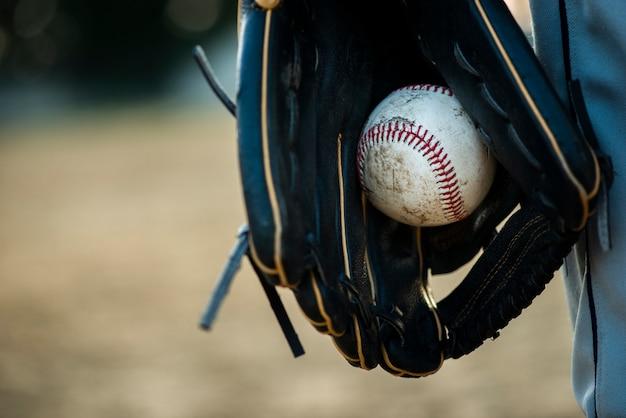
[104,50]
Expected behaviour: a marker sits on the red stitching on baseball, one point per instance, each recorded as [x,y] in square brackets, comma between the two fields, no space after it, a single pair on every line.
[416,137]
[427,87]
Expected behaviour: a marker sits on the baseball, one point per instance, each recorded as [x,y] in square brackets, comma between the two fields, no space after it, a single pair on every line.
[420,158]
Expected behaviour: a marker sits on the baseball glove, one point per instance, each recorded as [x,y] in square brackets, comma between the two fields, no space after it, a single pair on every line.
[309,74]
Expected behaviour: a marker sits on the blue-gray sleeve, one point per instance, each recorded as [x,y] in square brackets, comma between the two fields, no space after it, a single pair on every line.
[590,45]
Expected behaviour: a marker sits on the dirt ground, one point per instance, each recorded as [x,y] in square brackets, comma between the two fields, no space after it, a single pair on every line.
[112,232]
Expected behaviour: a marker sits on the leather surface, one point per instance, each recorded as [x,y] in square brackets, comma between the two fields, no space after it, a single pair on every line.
[485,58]
[310,72]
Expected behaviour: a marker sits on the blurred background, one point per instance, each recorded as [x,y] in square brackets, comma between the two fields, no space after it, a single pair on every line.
[119,202]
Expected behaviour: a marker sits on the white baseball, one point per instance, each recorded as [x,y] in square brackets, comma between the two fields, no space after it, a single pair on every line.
[421,160]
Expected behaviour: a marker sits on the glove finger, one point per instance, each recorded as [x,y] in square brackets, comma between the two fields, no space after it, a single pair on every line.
[277,194]
[494,73]
[324,308]
[512,271]
[330,311]
[410,332]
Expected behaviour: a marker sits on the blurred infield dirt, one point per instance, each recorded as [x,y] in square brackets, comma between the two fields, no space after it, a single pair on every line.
[113,230]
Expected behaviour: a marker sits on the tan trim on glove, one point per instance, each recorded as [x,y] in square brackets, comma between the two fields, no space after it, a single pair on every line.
[352,360]
[267,4]
[267,166]
[342,209]
[320,303]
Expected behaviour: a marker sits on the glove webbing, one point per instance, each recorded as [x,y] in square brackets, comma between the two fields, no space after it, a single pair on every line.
[514,269]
